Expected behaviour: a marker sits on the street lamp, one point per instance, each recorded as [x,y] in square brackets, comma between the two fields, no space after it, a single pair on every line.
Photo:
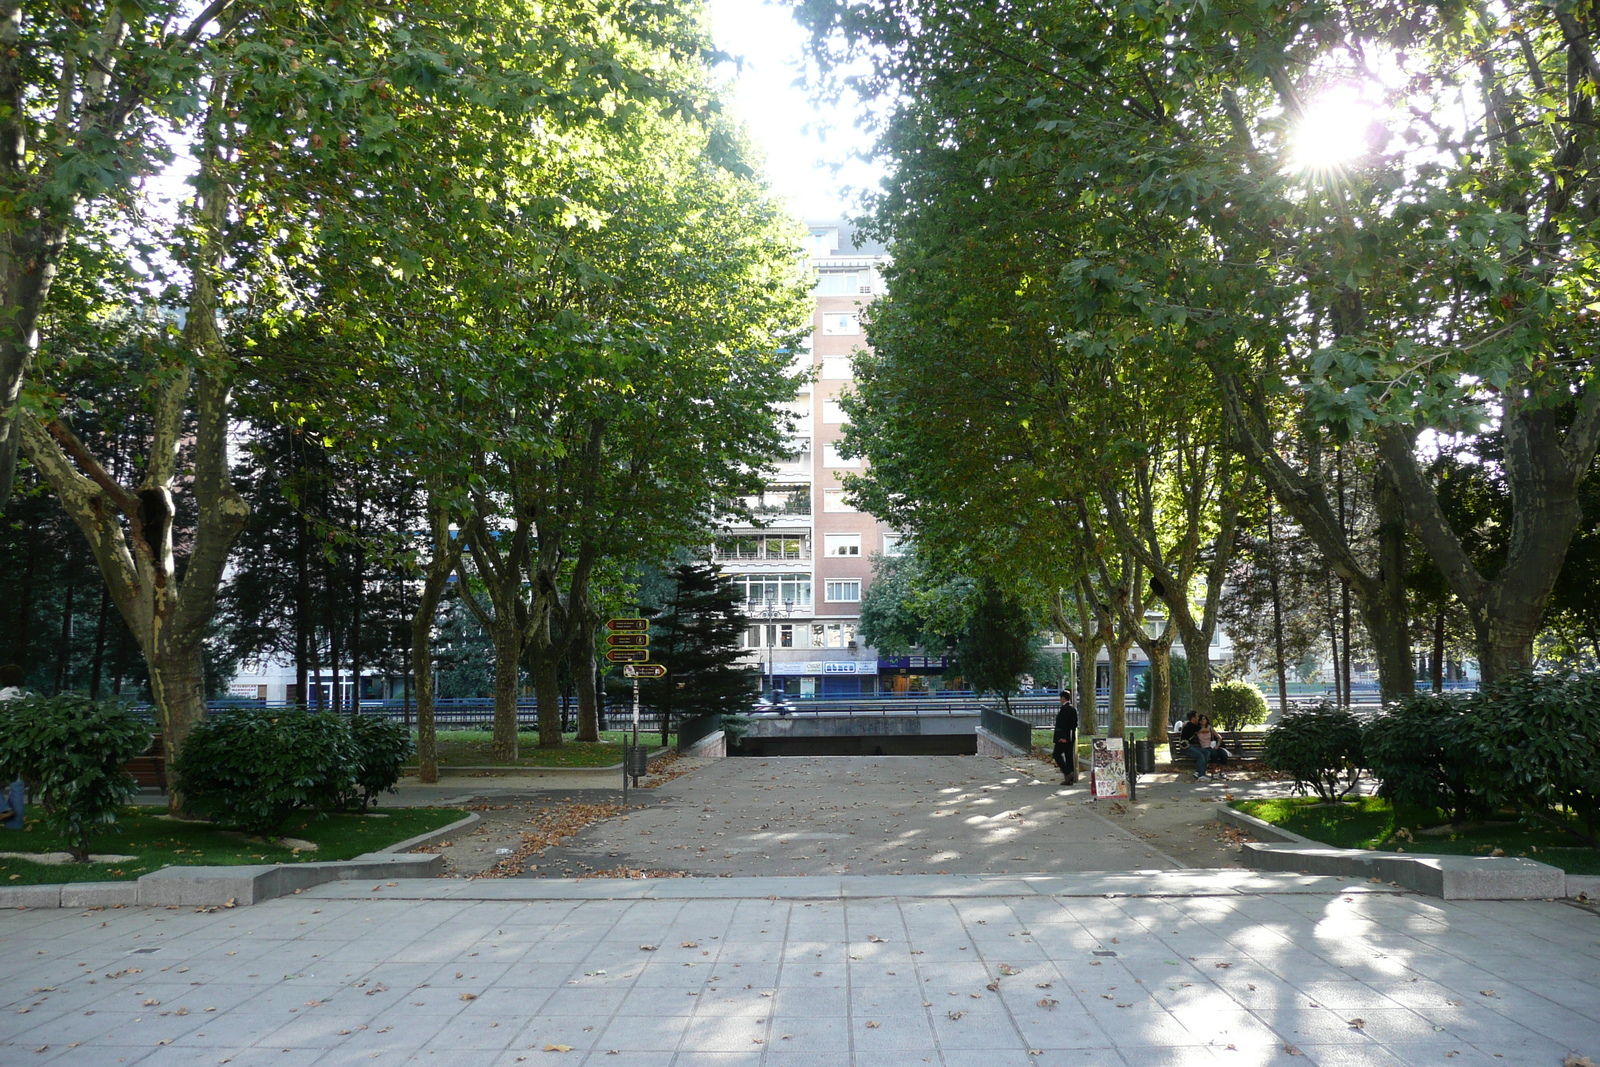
[769,611]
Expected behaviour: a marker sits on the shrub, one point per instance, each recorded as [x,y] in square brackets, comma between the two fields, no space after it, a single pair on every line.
[1538,740]
[1424,751]
[253,768]
[70,750]
[1237,704]
[1319,746]
[382,747]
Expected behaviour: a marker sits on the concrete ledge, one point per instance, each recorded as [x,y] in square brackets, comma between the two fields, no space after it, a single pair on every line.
[990,744]
[254,884]
[1446,877]
[430,837]
[712,746]
[1262,828]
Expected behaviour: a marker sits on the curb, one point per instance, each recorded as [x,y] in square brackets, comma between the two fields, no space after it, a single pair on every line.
[1446,877]
[235,886]
[428,838]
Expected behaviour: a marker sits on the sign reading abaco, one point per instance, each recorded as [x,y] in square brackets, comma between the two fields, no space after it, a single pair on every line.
[628,640]
[629,655]
[644,670]
[628,626]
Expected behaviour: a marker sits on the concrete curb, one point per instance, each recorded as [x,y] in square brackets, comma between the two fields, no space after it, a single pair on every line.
[1446,877]
[231,886]
[428,838]
[534,772]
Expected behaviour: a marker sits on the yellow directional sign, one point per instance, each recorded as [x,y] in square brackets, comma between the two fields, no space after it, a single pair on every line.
[629,655]
[644,670]
[628,626]
[628,640]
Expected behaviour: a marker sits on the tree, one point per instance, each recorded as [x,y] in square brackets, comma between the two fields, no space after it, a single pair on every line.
[696,637]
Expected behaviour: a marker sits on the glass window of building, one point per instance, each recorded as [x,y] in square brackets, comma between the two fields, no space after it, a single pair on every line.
[843,592]
[779,589]
[837,283]
[841,544]
[832,458]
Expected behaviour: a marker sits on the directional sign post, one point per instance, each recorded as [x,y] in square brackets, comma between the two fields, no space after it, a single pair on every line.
[644,670]
[628,640]
[629,643]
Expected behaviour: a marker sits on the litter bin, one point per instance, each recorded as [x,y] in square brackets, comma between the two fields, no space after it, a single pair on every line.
[1144,757]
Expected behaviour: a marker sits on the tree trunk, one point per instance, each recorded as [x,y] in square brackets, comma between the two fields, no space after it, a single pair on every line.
[582,659]
[1277,612]
[507,637]
[547,689]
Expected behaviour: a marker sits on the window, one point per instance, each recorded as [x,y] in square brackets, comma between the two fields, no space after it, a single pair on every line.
[837,283]
[770,546]
[832,412]
[837,367]
[833,500]
[832,458]
[844,592]
[779,589]
[894,544]
[833,635]
[841,545]
[841,324]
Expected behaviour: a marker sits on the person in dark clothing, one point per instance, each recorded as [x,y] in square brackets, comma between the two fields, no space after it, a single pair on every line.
[1065,752]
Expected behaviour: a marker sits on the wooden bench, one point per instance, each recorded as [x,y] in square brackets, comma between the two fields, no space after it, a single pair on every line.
[1242,747]
[149,770]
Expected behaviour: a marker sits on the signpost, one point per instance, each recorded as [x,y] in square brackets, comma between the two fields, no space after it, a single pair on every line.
[644,670]
[629,643]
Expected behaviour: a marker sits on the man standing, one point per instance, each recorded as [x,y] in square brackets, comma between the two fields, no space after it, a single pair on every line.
[1065,752]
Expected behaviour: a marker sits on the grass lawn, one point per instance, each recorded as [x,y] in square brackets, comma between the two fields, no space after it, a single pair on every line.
[470,748]
[1374,823]
[157,842]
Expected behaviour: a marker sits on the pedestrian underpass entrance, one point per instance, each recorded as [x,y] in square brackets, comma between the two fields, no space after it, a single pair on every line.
[844,733]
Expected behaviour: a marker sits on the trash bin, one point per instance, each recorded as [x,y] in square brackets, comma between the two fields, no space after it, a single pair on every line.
[638,760]
[1144,757]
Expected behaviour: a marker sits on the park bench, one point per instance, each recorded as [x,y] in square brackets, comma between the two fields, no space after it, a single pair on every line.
[149,769]
[1242,748]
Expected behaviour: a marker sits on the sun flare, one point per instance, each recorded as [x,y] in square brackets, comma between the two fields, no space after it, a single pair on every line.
[1336,130]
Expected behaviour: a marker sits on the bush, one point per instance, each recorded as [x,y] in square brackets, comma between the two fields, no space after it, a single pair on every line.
[1538,742]
[1319,746]
[382,747]
[1237,704]
[70,750]
[1423,750]
[253,768]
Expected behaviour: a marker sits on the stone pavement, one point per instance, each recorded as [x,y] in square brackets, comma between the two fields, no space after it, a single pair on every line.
[1234,967]
[810,815]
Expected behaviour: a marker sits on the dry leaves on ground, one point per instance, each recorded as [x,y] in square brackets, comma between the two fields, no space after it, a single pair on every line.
[554,824]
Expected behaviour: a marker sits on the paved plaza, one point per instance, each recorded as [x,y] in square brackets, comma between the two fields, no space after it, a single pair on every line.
[800,962]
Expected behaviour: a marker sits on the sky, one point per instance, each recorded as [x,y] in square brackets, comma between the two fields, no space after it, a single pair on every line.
[809,150]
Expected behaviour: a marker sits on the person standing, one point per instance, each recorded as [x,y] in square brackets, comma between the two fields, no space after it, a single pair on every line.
[1065,752]
[15,796]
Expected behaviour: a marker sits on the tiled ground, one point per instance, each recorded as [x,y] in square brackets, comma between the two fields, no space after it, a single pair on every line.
[1279,970]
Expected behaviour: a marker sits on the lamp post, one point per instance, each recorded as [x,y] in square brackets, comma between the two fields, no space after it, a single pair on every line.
[769,611]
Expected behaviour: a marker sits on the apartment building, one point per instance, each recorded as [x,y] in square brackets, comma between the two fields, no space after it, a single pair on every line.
[805,565]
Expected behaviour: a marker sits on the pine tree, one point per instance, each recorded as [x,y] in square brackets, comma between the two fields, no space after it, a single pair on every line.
[696,637]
